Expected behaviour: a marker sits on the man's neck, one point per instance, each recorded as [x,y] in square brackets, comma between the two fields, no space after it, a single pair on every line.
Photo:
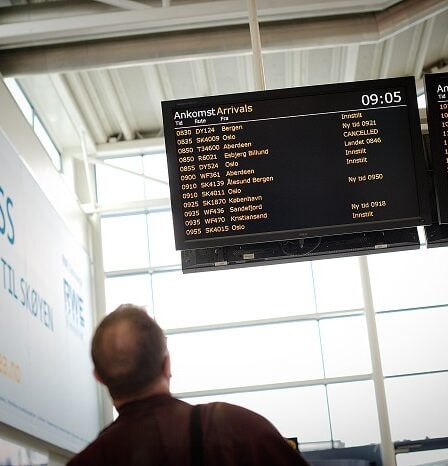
[152,390]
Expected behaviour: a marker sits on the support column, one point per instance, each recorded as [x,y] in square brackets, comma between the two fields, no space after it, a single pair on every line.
[97,272]
[106,407]
[257,58]
[387,446]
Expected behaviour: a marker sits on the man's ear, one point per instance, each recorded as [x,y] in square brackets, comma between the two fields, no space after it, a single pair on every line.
[167,366]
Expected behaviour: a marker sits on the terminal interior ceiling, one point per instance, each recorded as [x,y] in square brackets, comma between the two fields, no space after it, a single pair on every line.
[93,74]
[102,67]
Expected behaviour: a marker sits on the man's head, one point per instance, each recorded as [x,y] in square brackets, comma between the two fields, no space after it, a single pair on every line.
[129,352]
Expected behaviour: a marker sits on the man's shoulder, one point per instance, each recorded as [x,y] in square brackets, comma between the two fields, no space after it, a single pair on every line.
[228,409]
[249,433]
[231,414]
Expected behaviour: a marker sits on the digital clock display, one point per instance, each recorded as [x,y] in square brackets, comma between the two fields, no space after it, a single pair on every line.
[295,163]
[382,98]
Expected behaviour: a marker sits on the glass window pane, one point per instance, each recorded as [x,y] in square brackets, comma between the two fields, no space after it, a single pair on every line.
[47,143]
[295,412]
[418,406]
[423,458]
[353,414]
[115,186]
[413,341]
[421,100]
[409,279]
[345,345]
[161,239]
[245,356]
[233,295]
[338,285]
[155,166]
[20,99]
[135,289]
[12,454]
[125,242]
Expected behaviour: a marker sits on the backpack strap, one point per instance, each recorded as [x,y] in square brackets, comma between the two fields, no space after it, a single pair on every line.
[197,451]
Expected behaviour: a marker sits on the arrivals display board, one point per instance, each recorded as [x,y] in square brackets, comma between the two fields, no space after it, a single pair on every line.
[436,87]
[295,163]
[46,384]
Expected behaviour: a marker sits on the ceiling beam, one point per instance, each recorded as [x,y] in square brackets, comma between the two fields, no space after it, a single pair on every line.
[126,4]
[218,42]
[31,12]
[351,63]
[386,59]
[165,81]
[120,88]
[73,111]
[424,46]
[135,147]
[200,78]
[211,73]
[122,148]
[412,49]
[86,107]
[97,102]
[295,67]
[155,90]
[246,73]
[105,80]
[336,70]
[23,32]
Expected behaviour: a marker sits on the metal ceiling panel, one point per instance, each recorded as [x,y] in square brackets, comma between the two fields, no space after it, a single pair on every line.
[230,74]
[112,89]
[179,77]
[439,40]
[51,110]
[143,96]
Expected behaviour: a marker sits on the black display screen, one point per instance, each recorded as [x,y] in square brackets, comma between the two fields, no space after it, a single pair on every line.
[295,163]
[436,87]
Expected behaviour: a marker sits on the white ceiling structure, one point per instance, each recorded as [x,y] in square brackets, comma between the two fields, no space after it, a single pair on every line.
[102,67]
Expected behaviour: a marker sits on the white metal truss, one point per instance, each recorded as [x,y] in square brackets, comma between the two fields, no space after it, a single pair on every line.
[126,207]
[73,110]
[155,88]
[387,57]
[113,94]
[86,107]
[424,45]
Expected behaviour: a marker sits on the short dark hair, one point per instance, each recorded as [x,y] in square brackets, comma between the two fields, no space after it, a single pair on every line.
[128,350]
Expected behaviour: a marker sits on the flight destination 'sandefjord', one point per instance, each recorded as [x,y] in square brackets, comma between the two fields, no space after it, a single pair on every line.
[295,163]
